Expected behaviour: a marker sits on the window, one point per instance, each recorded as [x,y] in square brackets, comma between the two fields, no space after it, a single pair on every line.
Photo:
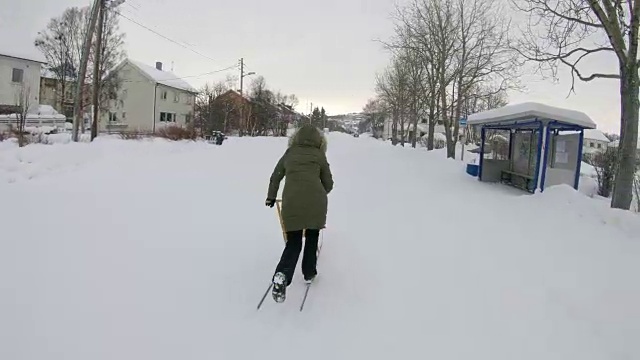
[176,97]
[124,116]
[599,146]
[188,100]
[17,75]
[187,118]
[163,96]
[591,145]
[113,117]
[167,117]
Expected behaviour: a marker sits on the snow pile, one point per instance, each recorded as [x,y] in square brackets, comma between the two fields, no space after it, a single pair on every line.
[531,111]
[160,250]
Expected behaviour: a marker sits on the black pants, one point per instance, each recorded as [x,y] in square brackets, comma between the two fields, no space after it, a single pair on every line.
[291,253]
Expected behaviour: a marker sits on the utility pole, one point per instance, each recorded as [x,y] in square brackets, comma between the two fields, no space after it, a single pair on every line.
[241,75]
[96,70]
[242,121]
[77,108]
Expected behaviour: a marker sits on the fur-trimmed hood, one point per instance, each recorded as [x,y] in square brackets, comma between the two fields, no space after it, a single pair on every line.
[309,135]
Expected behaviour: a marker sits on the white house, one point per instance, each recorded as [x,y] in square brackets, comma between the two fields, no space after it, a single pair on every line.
[423,128]
[17,72]
[615,144]
[148,99]
[594,140]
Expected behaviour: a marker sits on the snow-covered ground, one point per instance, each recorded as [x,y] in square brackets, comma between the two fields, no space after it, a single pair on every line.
[158,250]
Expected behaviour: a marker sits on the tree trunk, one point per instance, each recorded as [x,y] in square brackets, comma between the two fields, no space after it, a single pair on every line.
[432,123]
[456,118]
[402,132]
[394,128]
[414,139]
[451,151]
[625,174]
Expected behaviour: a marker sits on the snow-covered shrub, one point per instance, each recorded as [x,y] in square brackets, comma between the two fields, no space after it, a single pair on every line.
[438,141]
[176,133]
[605,164]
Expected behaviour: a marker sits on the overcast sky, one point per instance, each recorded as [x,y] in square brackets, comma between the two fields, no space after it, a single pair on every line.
[322,51]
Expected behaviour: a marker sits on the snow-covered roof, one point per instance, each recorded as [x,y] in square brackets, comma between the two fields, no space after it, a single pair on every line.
[166,78]
[23,55]
[530,111]
[423,127]
[595,134]
[616,143]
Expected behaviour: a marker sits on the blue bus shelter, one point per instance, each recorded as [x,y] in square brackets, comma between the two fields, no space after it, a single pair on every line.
[544,145]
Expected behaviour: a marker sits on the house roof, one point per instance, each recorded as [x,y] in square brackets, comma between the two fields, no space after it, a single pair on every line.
[595,134]
[530,110]
[235,94]
[617,143]
[166,78]
[30,56]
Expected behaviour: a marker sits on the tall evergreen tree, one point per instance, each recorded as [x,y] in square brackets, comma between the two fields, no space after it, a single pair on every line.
[316,117]
[323,118]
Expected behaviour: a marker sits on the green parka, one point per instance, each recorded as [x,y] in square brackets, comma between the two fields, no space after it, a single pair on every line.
[308,180]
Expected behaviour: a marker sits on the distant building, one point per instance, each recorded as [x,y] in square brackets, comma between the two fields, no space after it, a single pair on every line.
[594,141]
[51,93]
[18,71]
[149,98]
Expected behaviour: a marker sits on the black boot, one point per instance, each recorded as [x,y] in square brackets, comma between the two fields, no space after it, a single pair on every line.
[279,290]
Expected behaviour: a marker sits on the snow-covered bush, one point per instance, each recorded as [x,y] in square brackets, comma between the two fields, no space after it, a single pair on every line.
[439,141]
[605,164]
[176,133]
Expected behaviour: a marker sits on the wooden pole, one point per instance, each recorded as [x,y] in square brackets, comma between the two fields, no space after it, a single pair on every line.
[96,71]
[284,232]
[78,105]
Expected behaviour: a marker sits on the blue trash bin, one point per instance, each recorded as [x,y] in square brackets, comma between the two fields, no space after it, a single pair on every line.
[473,169]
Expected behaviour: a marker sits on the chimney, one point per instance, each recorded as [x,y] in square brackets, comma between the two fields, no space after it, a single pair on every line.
[159,65]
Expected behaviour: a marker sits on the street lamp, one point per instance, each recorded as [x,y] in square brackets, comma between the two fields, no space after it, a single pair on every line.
[242,76]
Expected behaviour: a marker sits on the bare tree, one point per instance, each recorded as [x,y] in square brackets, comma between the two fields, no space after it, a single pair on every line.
[213,112]
[22,101]
[393,89]
[483,55]
[61,43]
[566,33]
[376,114]
[457,45]
[426,28]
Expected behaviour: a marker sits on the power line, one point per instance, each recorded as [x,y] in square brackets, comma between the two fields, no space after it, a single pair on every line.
[164,37]
[190,76]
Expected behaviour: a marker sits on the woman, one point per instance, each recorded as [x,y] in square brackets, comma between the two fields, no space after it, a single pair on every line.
[304,203]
